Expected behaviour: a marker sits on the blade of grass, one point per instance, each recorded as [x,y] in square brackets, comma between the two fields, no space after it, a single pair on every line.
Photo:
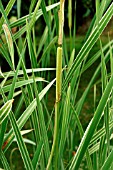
[96,73]
[26,114]
[5,110]
[31,48]
[104,84]
[32,5]
[19,8]
[103,7]
[10,96]
[4,161]
[50,45]
[20,84]
[91,127]
[108,161]
[21,144]
[81,131]
[99,134]
[21,21]
[70,22]
[7,10]
[42,125]
[21,72]
[47,19]
[42,40]
[96,56]
[65,123]
[5,54]
[89,44]
[37,154]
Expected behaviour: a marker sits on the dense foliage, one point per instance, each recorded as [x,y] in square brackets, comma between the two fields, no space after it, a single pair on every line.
[48,113]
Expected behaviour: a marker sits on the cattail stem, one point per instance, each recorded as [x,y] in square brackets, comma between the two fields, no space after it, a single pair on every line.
[70,22]
[59,74]
[61,22]
[54,149]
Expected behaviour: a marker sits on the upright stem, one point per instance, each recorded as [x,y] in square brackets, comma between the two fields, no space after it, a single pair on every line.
[70,22]
[61,22]
[54,149]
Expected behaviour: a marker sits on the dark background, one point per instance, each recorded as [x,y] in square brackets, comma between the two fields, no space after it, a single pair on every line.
[84,9]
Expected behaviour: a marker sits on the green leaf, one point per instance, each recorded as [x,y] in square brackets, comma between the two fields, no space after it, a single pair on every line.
[22,20]
[20,72]
[65,122]
[4,161]
[50,45]
[20,84]
[89,44]
[108,161]
[21,144]
[7,10]
[5,110]
[9,42]
[43,129]
[26,114]
[37,154]
[91,127]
